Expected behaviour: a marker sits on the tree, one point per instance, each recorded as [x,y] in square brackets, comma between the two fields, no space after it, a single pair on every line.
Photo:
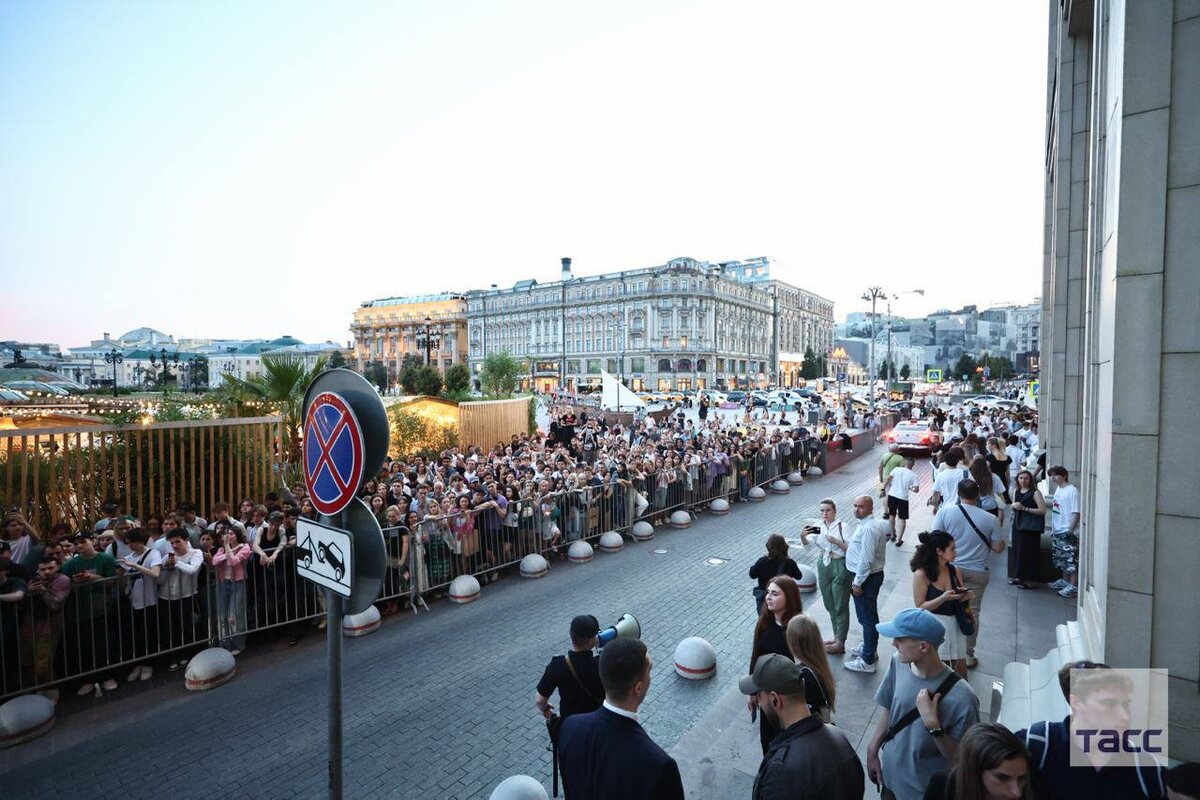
[904,371]
[336,360]
[377,373]
[279,389]
[964,366]
[458,379]
[810,369]
[500,373]
[429,381]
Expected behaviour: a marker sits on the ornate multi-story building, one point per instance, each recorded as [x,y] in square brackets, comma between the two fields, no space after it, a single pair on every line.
[682,325]
[433,325]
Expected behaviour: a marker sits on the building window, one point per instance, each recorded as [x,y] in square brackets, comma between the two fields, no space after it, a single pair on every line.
[637,364]
[612,365]
[572,366]
[593,365]
[664,365]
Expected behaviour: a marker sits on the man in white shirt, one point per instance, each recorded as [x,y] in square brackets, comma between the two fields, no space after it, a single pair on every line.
[1064,536]
[899,486]
[865,556]
[177,581]
[1016,457]
[945,485]
[976,535]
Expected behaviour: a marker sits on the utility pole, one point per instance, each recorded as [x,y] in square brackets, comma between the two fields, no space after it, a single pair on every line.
[873,294]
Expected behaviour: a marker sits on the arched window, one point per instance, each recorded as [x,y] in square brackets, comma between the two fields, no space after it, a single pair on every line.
[684,365]
[701,365]
[664,365]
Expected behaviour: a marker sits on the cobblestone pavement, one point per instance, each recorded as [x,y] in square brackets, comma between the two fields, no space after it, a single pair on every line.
[439,705]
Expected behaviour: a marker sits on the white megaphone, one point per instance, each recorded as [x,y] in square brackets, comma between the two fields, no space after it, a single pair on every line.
[627,625]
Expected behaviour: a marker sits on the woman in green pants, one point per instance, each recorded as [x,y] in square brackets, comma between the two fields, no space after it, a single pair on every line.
[832,576]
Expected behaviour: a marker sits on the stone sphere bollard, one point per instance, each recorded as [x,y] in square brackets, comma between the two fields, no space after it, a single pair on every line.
[519,787]
[680,519]
[362,624]
[24,718]
[209,668]
[795,478]
[808,579]
[756,494]
[534,566]
[463,589]
[815,472]
[695,659]
[611,542]
[580,552]
[642,531]
[719,506]
[780,487]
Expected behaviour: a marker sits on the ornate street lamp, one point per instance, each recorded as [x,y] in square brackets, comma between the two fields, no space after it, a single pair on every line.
[164,361]
[429,339]
[114,357]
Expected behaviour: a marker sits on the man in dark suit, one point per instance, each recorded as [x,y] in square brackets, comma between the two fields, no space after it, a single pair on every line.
[606,754]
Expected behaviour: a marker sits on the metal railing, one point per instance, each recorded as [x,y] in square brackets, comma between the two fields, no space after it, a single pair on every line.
[90,629]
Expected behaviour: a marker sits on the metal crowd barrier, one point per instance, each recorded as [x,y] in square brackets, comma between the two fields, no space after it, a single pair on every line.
[97,634]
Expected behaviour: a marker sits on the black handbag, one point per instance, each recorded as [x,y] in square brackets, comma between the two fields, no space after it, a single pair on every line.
[964,617]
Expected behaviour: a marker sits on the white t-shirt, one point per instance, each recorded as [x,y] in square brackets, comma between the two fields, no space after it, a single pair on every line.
[946,483]
[1065,503]
[143,590]
[903,481]
[1016,456]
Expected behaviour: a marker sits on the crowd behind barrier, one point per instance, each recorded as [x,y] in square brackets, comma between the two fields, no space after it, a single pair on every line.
[102,606]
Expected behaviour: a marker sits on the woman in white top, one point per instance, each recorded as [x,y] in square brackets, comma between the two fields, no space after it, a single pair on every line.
[832,576]
[142,567]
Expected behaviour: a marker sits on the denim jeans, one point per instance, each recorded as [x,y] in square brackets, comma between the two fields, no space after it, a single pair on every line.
[231,611]
[866,608]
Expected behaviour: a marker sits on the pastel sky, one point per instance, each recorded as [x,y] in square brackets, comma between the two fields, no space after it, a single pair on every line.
[247,169]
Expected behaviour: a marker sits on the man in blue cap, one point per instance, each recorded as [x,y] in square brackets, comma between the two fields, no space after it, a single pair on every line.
[924,709]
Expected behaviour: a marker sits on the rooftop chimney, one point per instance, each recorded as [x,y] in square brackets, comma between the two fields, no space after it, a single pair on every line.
[566,269]
[106,337]
[494,287]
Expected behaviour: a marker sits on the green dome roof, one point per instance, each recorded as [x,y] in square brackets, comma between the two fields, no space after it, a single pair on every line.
[285,341]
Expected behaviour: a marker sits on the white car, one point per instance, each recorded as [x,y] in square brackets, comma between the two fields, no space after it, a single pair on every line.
[913,436]
[714,397]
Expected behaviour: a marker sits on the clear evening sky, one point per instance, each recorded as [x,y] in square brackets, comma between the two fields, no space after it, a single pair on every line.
[246,169]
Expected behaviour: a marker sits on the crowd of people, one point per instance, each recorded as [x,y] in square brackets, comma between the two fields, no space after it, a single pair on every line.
[140,594]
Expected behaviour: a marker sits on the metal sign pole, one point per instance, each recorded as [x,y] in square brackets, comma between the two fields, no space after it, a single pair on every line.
[333,635]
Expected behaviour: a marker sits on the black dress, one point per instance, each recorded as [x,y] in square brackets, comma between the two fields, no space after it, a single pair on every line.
[772,640]
[1027,538]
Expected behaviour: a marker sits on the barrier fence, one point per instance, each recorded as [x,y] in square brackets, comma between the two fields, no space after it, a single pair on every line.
[92,628]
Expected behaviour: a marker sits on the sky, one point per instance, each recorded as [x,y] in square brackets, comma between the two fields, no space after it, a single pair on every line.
[252,169]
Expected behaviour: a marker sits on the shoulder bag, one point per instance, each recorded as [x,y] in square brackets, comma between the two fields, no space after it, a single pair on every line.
[910,717]
[963,615]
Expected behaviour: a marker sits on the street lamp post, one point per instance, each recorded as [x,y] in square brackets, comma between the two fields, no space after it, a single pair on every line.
[620,328]
[427,339]
[163,360]
[873,293]
[114,357]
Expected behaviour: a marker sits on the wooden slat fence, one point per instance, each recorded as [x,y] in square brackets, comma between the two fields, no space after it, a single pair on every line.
[65,474]
[486,422]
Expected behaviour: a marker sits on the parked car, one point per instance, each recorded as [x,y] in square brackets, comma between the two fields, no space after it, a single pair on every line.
[738,397]
[714,397]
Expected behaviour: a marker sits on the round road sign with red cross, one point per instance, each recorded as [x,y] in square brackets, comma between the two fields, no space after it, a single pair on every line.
[333,453]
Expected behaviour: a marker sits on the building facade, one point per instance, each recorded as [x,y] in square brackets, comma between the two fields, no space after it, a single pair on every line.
[686,324]
[392,328]
[1120,350]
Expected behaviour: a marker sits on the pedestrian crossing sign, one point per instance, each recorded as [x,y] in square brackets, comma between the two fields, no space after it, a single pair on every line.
[1035,389]
[933,376]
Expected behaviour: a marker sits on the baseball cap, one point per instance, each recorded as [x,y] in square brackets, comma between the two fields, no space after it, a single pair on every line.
[585,626]
[914,623]
[773,673]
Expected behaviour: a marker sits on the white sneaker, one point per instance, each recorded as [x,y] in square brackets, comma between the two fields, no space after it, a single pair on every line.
[147,673]
[86,689]
[1068,591]
[109,685]
[858,665]
[1059,584]
[134,675]
[856,651]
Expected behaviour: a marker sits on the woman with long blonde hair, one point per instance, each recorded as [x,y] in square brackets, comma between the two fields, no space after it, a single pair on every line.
[804,641]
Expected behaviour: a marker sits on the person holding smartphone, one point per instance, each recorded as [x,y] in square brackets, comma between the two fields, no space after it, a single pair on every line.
[936,588]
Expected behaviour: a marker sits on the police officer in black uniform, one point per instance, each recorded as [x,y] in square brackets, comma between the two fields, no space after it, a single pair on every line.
[577,682]
[576,676]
